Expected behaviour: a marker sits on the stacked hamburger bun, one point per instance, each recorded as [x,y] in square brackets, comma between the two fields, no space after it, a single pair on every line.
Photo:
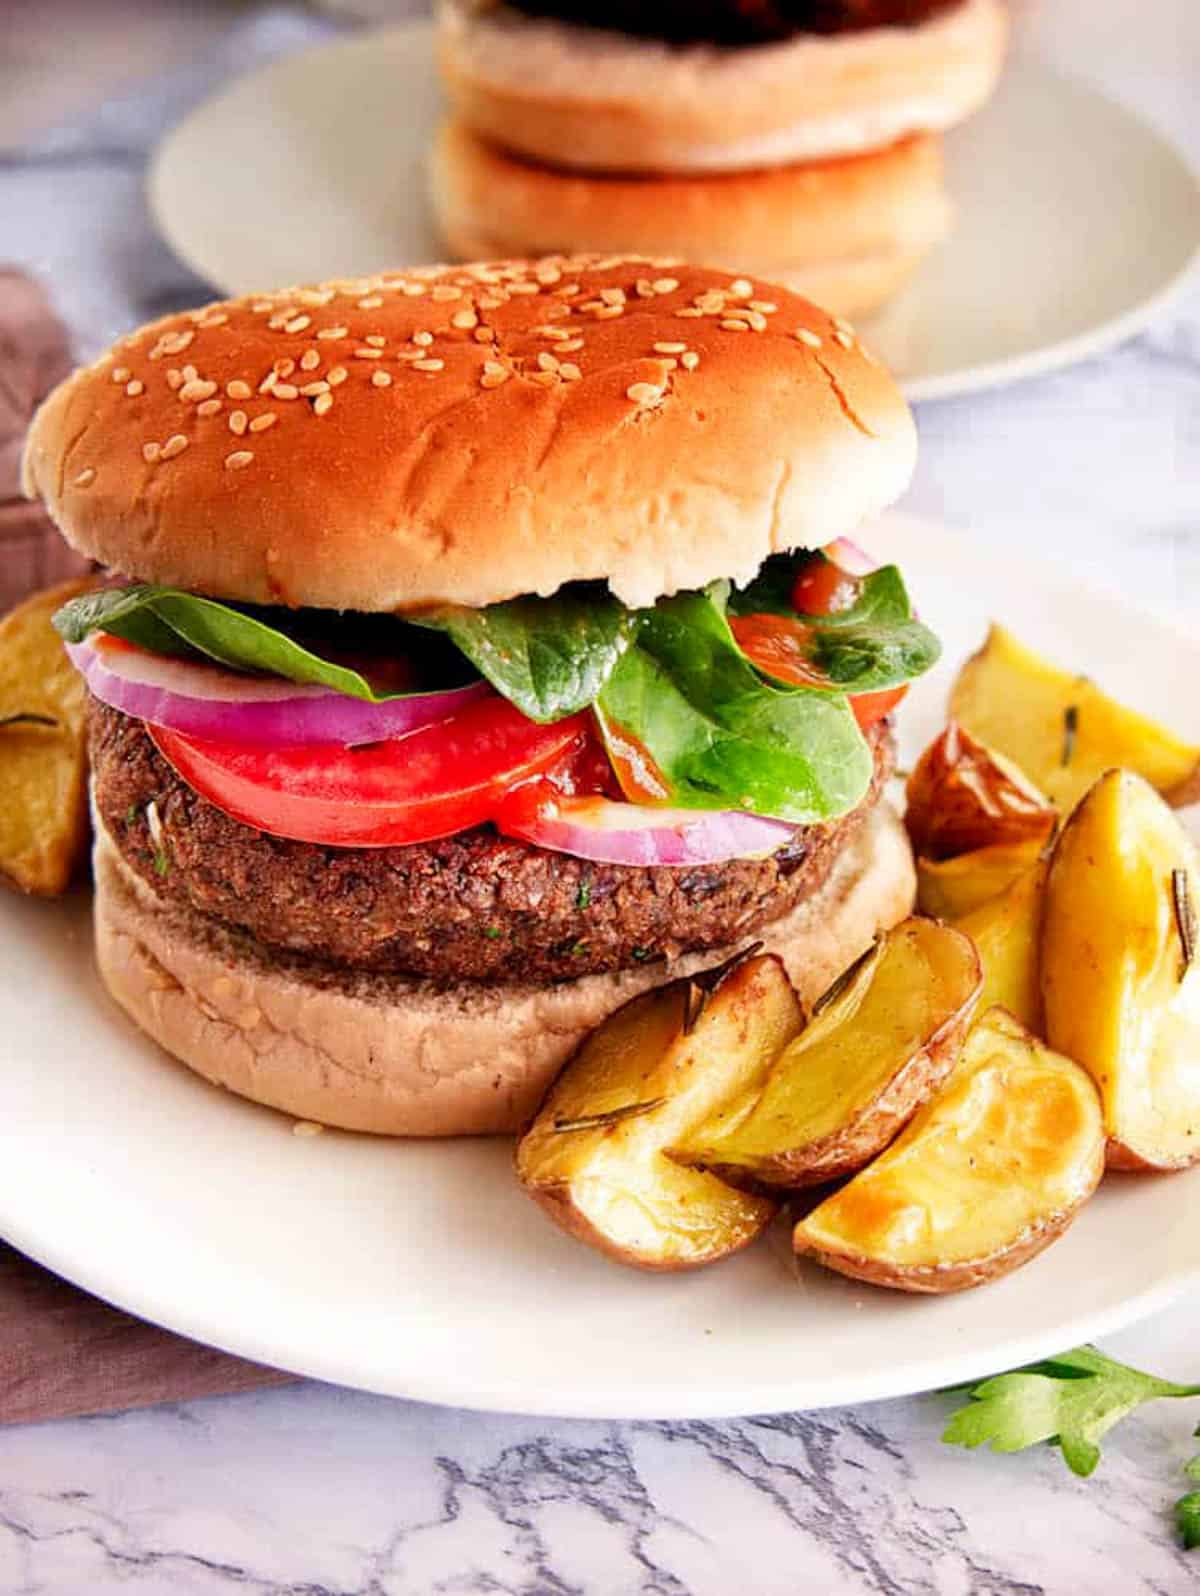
[792,139]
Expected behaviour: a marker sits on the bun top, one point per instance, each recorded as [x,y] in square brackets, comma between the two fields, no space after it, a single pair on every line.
[466,434]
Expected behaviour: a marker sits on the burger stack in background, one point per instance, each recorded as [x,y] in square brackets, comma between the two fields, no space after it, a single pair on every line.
[798,140]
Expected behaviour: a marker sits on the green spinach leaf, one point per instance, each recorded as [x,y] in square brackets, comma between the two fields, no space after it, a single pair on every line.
[548,656]
[712,734]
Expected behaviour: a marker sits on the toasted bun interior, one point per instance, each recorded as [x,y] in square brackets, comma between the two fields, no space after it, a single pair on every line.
[470,433]
[605,101]
[847,232]
[400,1057]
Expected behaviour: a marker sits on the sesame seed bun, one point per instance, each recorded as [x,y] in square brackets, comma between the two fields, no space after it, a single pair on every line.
[606,101]
[468,434]
[400,1057]
[845,232]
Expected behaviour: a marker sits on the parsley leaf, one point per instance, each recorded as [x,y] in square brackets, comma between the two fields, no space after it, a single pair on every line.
[1187,1517]
[1071,1401]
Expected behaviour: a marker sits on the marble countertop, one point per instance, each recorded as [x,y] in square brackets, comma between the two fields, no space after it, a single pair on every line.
[314,1491]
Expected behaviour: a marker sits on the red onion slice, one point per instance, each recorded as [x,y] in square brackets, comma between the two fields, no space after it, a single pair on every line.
[611,832]
[203,700]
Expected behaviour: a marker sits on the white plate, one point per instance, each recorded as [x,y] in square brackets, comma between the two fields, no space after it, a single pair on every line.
[1076,222]
[421,1270]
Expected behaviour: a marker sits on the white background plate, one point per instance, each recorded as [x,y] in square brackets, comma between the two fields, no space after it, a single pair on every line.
[1075,222]
[421,1270]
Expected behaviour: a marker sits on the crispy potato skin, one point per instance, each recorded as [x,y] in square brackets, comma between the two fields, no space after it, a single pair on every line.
[963,796]
[600,1172]
[964,1161]
[949,889]
[1117,995]
[1015,701]
[43,771]
[945,1278]
[926,1057]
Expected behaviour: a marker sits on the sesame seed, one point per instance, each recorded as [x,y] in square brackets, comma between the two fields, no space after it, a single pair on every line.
[556,333]
[665,285]
[209,407]
[843,325]
[570,344]
[547,362]
[279,320]
[322,403]
[733,324]
[267,385]
[613,296]
[807,336]
[337,375]
[174,445]
[120,374]
[669,349]
[412,290]
[756,319]
[315,296]
[371,302]
[428,365]
[237,389]
[174,379]
[261,423]
[297,324]
[644,288]
[368,354]
[516,288]
[841,336]
[567,291]
[710,304]
[286,390]
[466,319]
[238,422]
[381,379]
[86,477]
[690,361]
[607,312]
[689,313]
[376,340]
[644,393]
[491,301]
[195,390]
[190,374]
[261,307]
[176,343]
[445,291]
[548,275]
[422,339]
[764,305]
[309,360]
[283,367]
[151,452]
[310,390]
[493,374]
[334,332]
[569,372]
[485,335]
[543,379]
[135,387]
[216,318]
[238,460]
[742,288]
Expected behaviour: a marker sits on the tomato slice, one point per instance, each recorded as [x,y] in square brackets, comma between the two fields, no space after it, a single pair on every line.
[431,783]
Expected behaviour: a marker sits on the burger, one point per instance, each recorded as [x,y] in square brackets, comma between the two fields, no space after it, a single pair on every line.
[467,662]
[798,139]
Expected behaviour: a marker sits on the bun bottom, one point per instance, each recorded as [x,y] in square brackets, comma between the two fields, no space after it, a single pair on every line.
[400,1057]
[846,233]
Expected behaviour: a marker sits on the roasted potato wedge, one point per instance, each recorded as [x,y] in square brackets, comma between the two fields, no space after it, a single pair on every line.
[858,1071]
[1006,931]
[1061,729]
[1121,968]
[43,762]
[948,889]
[987,1173]
[593,1156]
[963,796]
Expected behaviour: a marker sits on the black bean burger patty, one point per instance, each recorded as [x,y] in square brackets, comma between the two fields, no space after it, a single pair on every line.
[735,22]
[475,906]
